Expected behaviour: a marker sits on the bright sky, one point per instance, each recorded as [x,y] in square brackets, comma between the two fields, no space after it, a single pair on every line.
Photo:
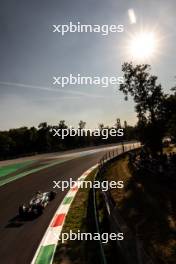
[30,54]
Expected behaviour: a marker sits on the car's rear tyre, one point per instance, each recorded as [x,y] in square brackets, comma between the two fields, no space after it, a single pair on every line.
[39,210]
[22,211]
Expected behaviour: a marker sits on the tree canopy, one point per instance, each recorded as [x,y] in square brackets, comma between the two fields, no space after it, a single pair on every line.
[149,100]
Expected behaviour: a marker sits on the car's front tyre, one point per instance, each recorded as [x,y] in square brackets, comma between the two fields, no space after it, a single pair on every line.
[52,195]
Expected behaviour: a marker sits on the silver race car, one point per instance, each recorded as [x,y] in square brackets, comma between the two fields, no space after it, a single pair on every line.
[36,205]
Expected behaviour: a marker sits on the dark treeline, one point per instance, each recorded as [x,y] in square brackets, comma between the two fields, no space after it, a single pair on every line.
[25,141]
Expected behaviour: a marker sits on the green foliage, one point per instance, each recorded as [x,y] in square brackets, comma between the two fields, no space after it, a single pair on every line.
[29,141]
[170,106]
[149,103]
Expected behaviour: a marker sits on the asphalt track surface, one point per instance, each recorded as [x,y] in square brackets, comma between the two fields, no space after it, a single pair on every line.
[20,239]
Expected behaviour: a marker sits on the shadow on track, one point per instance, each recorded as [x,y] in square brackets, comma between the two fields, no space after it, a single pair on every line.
[18,221]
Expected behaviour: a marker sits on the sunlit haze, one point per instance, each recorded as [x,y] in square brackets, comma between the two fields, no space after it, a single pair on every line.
[143,45]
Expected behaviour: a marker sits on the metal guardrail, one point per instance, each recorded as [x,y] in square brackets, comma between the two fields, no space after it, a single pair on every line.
[132,249]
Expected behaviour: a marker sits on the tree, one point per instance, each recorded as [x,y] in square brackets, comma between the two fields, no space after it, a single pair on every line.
[44,139]
[118,123]
[125,124]
[101,126]
[82,124]
[6,143]
[82,140]
[62,124]
[149,103]
[170,116]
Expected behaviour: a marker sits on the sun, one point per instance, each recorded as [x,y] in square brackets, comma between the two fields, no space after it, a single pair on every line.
[143,45]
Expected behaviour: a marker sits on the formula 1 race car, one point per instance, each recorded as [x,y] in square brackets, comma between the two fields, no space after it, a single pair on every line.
[36,205]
